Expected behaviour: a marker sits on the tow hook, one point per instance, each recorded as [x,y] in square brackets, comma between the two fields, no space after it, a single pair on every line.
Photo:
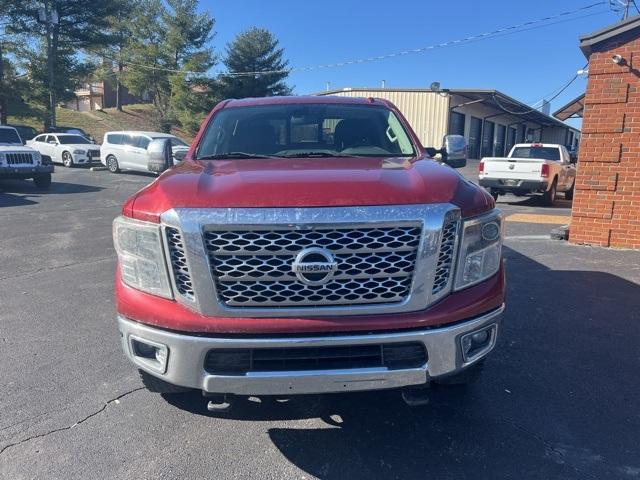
[219,402]
[416,396]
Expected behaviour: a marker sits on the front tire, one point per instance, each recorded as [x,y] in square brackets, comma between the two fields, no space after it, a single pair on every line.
[67,159]
[42,181]
[549,197]
[155,385]
[568,195]
[112,164]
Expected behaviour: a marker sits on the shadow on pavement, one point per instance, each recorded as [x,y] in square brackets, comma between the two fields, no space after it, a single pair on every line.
[24,192]
[558,397]
[533,201]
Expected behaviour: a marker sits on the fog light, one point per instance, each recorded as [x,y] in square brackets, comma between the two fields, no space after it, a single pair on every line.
[150,354]
[478,343]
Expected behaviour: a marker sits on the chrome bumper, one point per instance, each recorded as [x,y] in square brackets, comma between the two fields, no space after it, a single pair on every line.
[186,356]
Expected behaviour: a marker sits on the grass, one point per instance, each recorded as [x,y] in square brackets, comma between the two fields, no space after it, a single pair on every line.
[97,122]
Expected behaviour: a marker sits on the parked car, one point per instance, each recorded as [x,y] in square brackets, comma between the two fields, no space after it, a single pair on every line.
[25,132]
[72,130]
[66,148]
[128,150]
[308,245]
[19,161]
[530,168]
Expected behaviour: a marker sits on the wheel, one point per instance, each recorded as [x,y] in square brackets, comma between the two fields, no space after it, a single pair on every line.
[549,197]
[155,385]
[67,159]
[112,164]
[468,375]
[42,180]
[568,195]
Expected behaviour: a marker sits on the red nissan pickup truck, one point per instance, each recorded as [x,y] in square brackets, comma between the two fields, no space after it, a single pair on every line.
[308,245]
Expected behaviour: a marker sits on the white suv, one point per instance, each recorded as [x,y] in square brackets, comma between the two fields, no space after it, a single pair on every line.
[18,161]
[128,150]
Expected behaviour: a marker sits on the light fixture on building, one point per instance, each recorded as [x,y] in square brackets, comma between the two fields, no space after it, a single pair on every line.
[618,59]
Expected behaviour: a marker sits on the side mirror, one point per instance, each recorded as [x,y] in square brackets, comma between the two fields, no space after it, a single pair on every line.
[454,151]
[159,155]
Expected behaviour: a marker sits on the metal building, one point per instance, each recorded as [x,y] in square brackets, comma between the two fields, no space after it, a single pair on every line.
[492,122]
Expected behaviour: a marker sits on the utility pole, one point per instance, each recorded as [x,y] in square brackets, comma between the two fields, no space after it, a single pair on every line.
[49,17]
[3,98]
[626,9]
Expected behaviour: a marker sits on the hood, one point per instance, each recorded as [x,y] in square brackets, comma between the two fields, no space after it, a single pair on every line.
[16,148]
[308,182]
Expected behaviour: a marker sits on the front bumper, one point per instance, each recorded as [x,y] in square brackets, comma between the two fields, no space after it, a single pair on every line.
[26,171]
[185,359]
[509,185]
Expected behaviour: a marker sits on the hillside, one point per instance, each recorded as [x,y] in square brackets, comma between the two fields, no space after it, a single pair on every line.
[97,122]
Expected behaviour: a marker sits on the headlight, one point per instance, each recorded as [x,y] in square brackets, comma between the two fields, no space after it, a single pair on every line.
[141,257]
[37,157]
[79,152]
[480,249]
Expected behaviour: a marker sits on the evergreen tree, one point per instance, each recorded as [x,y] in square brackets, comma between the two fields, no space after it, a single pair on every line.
[255,50]
[63,27]
[168,57]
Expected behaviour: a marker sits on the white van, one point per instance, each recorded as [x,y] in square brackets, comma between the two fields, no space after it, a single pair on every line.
[127,150]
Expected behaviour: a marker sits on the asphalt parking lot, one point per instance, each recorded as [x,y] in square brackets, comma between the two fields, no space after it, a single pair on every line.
[559,399]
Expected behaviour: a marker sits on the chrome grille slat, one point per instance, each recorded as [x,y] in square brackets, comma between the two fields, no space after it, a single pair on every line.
[252,268]
[181,274]
[446,255]
[278,267]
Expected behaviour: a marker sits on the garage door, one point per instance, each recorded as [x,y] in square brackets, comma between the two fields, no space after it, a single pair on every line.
[456,123]
[487,139]
[498,145]
[475,128]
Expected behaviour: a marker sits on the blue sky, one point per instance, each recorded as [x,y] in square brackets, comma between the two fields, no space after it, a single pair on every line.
[526,65]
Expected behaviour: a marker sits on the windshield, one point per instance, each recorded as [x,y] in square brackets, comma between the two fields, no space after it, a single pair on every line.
[71,139]
[9,136]
[545,153]
[305,130]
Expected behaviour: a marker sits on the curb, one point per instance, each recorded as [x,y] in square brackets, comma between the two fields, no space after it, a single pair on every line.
[560,233]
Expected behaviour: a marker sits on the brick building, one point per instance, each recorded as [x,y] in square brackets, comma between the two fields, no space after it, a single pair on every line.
[606,205]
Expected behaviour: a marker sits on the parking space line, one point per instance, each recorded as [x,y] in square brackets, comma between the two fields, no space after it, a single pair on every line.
[534,218]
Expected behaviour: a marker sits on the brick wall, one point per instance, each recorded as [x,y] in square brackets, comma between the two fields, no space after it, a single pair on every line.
[606,205]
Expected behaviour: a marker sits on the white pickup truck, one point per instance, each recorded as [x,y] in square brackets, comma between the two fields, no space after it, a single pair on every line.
[18,161]
[544,168]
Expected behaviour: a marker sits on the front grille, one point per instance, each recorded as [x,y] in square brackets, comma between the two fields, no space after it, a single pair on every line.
[253,268]
[446,256]
[393,356]
[181,274]
[19,158]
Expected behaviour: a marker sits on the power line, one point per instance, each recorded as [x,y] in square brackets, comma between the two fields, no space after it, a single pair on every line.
[471,38]
[502,107]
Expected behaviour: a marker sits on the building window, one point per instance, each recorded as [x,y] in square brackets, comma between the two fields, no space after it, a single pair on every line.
[456,123]
[475,130]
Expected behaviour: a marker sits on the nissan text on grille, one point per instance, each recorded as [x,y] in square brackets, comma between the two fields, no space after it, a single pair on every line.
[308,245]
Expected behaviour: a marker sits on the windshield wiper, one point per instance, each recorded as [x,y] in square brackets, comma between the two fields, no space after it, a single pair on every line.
[315,155]
[231,155]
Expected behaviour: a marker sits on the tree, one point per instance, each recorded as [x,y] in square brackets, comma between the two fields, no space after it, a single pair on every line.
[255,50]
[65,26]
[114,53]
[169,55]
